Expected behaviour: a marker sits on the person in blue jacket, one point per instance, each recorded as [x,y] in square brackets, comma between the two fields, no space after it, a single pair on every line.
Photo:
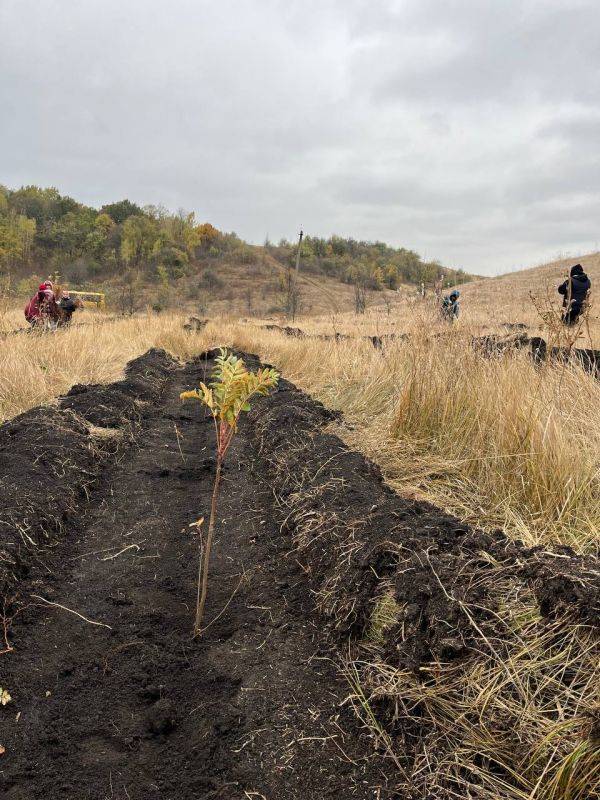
[451,306]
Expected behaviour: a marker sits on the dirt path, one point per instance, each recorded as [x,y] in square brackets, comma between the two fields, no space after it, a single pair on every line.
[139,710]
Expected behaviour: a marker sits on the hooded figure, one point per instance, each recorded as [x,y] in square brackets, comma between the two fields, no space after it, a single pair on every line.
[574,291]
[42,305]
[451,306]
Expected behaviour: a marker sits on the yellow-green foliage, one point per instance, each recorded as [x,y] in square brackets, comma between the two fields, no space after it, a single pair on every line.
[232,386]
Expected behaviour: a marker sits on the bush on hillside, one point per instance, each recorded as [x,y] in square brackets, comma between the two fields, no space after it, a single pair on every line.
[210,280]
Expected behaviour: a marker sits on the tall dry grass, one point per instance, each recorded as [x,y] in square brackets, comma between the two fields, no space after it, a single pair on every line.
[37,367]
[502,440]
[497,441]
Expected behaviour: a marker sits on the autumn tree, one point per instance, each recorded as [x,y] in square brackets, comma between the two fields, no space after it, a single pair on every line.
[121,211]
[138,237]
[16,238]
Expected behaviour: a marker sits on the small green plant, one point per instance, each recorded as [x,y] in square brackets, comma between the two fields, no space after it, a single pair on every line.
[227,396]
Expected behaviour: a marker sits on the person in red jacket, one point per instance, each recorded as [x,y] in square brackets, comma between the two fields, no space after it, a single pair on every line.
[42,307]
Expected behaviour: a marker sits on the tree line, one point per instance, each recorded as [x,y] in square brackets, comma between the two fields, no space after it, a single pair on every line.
[370,265]
[43,231]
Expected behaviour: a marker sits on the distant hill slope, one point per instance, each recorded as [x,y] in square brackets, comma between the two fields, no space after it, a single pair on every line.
[506,298]
[148,255]
[258,289]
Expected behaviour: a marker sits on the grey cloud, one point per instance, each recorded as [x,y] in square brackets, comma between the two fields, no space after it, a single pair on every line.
[466,130]
[578,131]
[487,52]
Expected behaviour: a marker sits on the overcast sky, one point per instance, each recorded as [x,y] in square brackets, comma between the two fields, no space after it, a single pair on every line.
[468,130]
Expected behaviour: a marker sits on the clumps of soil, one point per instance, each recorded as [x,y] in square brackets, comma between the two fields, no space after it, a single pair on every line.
[155,365]
[588,360]
[49,458]
[161,718]
[358,539]
[112,405]
[286,330]
[378,342]
[492,345]
[514,326]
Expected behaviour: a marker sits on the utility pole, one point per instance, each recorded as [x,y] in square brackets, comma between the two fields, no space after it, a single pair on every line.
[294,297]
[300,235]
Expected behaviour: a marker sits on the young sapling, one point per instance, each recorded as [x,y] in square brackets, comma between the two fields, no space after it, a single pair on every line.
[226,397]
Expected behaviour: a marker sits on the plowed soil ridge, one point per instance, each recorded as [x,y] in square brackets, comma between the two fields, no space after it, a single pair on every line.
[131,707]
[444,587]
[49,459]
[355,535]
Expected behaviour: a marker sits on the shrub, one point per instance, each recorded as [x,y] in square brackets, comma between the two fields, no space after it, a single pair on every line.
[210,280]
[245,255]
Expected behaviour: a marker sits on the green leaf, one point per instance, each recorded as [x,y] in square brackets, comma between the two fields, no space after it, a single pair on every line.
[231,388]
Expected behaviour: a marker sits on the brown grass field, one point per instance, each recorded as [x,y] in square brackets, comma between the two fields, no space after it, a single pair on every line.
[496,441]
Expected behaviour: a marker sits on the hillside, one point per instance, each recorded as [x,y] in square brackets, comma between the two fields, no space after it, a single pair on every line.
[147,255]
[506,298]
[258,288]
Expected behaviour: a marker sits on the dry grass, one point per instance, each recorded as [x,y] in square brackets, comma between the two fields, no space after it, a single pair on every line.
[496,441]
[517,720]
[35,368]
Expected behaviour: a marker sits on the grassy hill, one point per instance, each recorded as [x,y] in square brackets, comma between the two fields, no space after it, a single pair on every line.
[255,289]
[506,298]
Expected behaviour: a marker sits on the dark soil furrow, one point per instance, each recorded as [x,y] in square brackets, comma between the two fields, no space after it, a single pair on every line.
[49,460]
[139,709]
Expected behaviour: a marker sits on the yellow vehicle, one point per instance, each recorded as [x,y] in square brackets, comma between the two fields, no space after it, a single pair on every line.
[91,299]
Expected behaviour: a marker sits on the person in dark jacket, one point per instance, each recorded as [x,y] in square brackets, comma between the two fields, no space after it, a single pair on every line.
[451,306]
[67,306]
[575,292]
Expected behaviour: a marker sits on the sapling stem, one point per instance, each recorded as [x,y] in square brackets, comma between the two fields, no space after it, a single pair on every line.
[226,397]
[204,561]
